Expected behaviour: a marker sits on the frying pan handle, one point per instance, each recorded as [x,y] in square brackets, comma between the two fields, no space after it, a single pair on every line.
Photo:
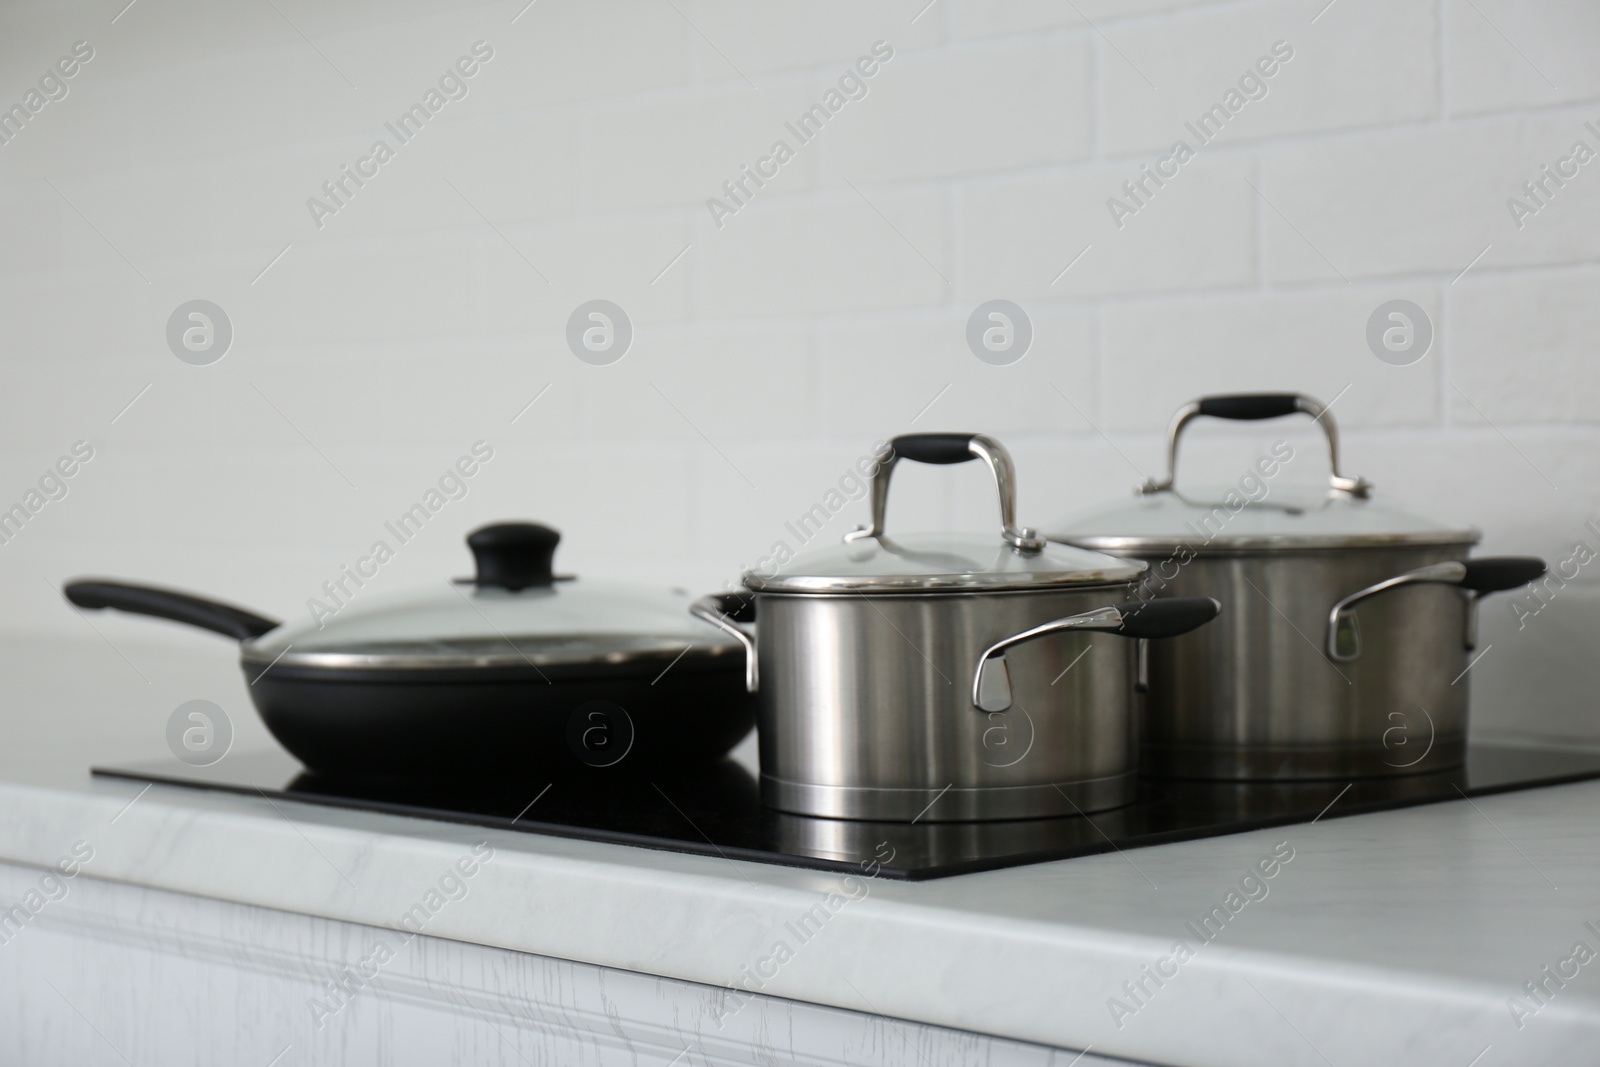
[224,619]
[1164,617]
[1251,407]
[945,448]
[1478,578]
[726,611]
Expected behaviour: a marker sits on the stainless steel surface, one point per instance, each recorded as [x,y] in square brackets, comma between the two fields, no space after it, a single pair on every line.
[709,609]
[1343,650]
[991,681]
[1254,696]
[949,805]
[865,707]
[1307,405]
[867,660]
[1086,532]
[994,454]
[1344,636]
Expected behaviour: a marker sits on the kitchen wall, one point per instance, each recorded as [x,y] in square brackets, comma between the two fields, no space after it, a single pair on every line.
[380,332]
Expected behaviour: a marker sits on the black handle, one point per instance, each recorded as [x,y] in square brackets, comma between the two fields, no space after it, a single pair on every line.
[737,607]
[1496,573]
[934,447]
[237,623]
[1167,616]
[1250,406]
[514,555]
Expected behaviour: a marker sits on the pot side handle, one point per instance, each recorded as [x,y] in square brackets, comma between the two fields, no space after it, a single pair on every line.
[727,611]
[237,623]
[1164,617]
[1477,577]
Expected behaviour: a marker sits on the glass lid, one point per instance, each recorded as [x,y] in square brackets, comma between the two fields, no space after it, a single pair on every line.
[871,561]
[1255,514]
[515,613]
[1225,519]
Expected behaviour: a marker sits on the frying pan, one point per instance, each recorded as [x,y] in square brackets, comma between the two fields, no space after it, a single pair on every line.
[515,671]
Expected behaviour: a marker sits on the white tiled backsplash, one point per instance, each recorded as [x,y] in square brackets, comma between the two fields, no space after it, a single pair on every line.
[827,312]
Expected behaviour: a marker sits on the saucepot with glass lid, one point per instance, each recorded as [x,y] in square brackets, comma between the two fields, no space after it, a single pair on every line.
[947,677]
[1349,622]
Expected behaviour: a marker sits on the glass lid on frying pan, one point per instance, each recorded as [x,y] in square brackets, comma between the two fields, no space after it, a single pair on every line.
[871,560]
[1255,513]
[515,613]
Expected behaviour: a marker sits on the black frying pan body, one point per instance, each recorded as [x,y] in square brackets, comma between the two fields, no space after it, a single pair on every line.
[499,727]
[467,722]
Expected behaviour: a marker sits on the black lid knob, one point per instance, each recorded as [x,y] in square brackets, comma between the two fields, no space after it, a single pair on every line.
[514,555]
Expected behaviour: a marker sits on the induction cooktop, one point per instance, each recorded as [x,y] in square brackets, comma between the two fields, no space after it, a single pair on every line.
[717,811]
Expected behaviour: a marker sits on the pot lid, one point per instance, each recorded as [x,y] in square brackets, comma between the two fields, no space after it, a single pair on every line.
[1224,520]
[914,563]
[515,613]
[1254,514]
[871,561]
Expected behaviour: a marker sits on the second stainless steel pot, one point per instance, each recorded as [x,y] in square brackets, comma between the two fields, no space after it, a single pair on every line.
[944,677]
[1350,624]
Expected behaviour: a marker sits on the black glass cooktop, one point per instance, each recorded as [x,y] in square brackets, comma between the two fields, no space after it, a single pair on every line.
[716,811]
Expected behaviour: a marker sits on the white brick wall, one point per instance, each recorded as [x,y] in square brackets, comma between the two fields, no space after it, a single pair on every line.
[827,313]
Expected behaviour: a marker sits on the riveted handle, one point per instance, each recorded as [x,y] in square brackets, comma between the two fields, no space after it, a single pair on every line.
[947,448]
[732,613]
[1251,407]
[1163,617]
[1477,577]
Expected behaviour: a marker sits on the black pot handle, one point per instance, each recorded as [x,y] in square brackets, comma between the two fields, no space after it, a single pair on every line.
[237,623]
[1166,616]
[1162,617]
[1479,577]
[1495,574]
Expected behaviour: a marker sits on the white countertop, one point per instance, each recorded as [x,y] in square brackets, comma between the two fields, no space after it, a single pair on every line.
[1394,937]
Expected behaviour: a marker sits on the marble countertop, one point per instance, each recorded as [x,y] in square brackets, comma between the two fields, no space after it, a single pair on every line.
[1405,936]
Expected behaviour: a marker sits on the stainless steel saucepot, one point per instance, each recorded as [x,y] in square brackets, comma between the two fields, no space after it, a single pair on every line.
[947,677]
[1349,629]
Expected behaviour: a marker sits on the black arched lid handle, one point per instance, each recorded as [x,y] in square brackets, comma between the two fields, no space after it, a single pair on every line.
[934,447]
[1250,406]
[514,555]
[237,623]
[1493,574]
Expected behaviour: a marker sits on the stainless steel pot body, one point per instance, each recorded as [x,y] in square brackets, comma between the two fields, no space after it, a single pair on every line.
[865,706]
[1255,695]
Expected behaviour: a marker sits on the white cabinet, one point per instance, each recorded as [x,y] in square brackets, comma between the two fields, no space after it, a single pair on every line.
[113,973]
